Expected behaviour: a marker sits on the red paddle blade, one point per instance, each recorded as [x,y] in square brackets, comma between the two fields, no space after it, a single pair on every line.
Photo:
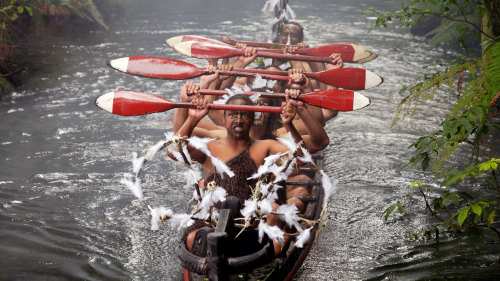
[350,52]
[205,50]
[129,103]
[196,38]
[155,67]
[348,78]
[341,100]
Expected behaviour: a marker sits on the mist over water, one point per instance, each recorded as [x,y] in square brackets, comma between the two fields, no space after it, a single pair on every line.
[65,215]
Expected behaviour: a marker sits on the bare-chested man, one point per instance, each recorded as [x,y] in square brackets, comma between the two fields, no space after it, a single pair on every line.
[241,153]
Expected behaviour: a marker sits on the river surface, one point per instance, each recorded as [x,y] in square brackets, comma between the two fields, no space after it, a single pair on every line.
[64,214]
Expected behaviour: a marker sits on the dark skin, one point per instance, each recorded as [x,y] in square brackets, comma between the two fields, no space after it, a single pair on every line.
[295,33]
[238,127]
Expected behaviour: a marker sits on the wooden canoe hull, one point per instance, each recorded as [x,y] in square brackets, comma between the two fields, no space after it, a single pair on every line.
[261,264]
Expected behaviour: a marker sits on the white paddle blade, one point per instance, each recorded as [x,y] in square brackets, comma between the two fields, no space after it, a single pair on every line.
[106,101]
[359,101]
[174,40]
[184,48]
[362,53]
[372,80]
[120,64]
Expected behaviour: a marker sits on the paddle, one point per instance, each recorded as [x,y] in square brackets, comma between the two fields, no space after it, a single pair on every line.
[207,50]
[130,103]
[341,100]
[350,52]
[164,68]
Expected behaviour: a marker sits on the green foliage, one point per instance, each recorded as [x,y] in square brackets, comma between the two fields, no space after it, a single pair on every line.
[466,212]
[462,20]
[17,15]
[476,83]
[391,208]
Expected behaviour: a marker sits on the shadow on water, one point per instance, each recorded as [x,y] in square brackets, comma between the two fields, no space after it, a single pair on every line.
[65,215]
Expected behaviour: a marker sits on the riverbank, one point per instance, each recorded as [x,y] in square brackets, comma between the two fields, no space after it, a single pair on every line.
[21,19]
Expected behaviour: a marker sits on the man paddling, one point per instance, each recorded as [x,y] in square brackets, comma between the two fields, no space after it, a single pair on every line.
[241,153]
[292,33]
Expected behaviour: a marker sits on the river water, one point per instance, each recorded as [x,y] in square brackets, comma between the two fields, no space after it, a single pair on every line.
[65,215]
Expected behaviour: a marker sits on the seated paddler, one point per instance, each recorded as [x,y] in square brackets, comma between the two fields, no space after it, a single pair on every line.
[241,153]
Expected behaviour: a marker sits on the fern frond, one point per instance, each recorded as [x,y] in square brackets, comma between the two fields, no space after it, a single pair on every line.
[492,71]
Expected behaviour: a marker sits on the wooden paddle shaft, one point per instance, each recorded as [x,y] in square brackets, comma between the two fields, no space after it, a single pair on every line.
[246,93]
[293,57]
[234,107]
[274,75]
[253,43]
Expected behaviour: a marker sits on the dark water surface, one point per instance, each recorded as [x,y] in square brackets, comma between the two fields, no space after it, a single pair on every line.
[65,215]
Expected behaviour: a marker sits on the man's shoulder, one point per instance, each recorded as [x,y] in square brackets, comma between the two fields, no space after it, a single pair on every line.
[269,146]
[265,142]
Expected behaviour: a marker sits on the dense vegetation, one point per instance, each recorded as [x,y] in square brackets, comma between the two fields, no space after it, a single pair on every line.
[19,18]
[474,78]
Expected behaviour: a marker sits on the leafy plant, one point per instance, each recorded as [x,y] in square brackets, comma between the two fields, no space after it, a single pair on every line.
[17,15]
[475,81]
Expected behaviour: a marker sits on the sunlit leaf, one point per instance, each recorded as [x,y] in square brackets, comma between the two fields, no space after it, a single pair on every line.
[414,183]
[389,210]
[490,218]
[28,9]
[476,209]
[462,215]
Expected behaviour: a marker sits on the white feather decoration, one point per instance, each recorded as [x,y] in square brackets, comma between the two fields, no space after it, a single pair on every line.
[154,219]
[289,215]
[265,188]
[186,153]
[259,82]
[212,197]
[307,158]
[135,187]
[224,98]
[329,186]
[269,162]
[285,66]
[158,214]
[249,209]
[270,7]
[290,13]
[254,98]
[193,176]
[271,83]
[266,205]
[237,90]
[246,88]
[221,167]
[153,151]
[289,142]
[137,163]
[181,220]
[273,232]
[201,144]
[177,155]
[290,168]
[303,238]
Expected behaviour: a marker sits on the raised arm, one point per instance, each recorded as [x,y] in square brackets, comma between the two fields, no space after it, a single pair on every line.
[316,137]
[187,128]
[295,77]
[188,93]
